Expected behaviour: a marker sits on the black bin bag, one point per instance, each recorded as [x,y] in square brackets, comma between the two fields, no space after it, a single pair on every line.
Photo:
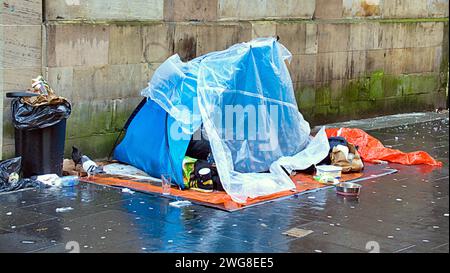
[30,117]
[9,167]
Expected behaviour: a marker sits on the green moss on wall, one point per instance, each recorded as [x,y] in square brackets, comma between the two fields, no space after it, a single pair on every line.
[375,94]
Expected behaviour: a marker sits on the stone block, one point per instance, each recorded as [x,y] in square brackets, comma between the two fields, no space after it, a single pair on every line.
[18,78]
[157,40]
[263,9]
[264,29]
[90,82]
[125,81]
[419,83]
[148,69]
[410,60]
[122,111]
[328,9]
[331,66]
[306,97]
[190,10]
[395,61]
[61,81]
[438,8]
[21,46]
[421,60]
[356,64]
[426,34]
[21,12]
[98,147]
[303,68]
[245,31]
[375,60]
[77,45]
[290,8]
[308,67]
[109,82]
[92,117]
[311,39]
[185,41]
[364,36]
[323,95]
[333,37]
[362,8]
[7,126]
[125,44]
[216,37]
[292,36]
[405,9]
[405,35]
[104,10]
[228,10]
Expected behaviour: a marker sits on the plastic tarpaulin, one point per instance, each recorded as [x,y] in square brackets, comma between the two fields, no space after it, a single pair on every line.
[371,149]
[244,97]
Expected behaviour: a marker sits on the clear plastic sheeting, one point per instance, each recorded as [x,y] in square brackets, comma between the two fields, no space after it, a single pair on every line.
[245,99]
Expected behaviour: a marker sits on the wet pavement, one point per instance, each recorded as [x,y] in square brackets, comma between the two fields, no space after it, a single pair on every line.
[403,212]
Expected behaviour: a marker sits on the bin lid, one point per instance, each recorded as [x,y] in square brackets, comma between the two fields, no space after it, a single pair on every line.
[20,94]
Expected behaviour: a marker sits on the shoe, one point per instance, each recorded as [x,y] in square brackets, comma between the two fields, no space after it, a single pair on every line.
[206,186]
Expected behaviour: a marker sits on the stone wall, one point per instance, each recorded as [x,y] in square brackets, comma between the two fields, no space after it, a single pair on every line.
[20,57]
[351,58]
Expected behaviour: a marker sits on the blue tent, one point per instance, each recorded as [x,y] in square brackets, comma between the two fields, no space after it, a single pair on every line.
[250,85]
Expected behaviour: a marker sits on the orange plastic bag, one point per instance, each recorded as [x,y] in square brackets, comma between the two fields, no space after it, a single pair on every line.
[371,149]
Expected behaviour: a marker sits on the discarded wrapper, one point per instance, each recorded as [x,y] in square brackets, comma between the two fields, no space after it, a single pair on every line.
[180,204]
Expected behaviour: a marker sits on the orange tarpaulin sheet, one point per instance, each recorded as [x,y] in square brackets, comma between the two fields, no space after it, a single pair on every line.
[371,149]
[303,182]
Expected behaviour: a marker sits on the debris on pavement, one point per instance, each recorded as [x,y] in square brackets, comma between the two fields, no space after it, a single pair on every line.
[52,180]
[10,179]
[64,209]
[180,204]
[127,190]
[69,181]
[69,168]
[297,232]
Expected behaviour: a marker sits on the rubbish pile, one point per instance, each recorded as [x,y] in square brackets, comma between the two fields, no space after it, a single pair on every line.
[10,179]
[39,118]
[40,108]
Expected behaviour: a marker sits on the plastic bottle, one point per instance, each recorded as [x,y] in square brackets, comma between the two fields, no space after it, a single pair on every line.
[69,181]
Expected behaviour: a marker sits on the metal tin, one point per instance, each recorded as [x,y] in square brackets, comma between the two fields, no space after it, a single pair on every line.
[348,189]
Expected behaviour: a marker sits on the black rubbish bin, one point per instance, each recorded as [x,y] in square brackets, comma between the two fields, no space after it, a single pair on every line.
[40,133]
[42,150]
